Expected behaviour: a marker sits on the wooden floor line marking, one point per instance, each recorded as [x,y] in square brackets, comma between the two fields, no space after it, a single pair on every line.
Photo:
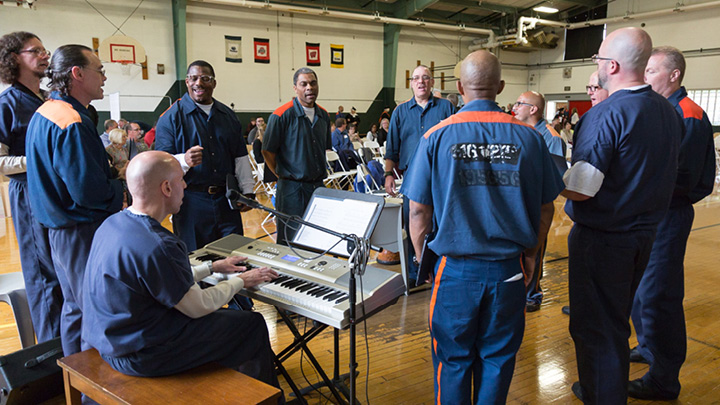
[704,343]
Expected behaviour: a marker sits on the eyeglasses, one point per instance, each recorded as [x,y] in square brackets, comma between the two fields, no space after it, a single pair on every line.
[135,130]
[99,70]
[519,103]
[203,78]
[420,78]
[41,52]
[592,89]
[595,58]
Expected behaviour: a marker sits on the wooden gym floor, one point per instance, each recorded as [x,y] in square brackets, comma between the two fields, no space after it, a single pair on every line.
[400,366]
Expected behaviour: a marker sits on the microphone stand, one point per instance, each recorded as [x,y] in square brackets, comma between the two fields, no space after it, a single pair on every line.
[238,200]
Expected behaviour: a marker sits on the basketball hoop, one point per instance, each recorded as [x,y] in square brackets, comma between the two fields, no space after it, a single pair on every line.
[125,68]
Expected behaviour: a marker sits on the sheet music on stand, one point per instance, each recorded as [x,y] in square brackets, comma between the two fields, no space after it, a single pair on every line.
[341,211]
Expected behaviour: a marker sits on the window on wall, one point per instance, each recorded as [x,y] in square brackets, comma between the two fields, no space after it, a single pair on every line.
[708,100]
[582,43]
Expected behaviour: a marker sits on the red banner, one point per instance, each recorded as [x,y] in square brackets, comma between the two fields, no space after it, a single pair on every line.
[313,54]
[262,50]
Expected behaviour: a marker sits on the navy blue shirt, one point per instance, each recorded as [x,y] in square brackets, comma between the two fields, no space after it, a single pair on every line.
[68,172]
[17,106]
[132,285]
[298,144]
[185,125]
[486,175]
[408,123]
[553,141]
[696,170]
[341,141]
[633,138]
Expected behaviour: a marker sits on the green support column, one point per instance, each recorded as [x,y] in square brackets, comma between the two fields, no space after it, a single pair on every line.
[179,12]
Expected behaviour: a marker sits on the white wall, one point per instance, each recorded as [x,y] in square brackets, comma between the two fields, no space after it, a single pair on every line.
[59,22]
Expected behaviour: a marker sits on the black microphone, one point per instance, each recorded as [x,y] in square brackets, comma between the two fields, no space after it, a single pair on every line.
[237,199]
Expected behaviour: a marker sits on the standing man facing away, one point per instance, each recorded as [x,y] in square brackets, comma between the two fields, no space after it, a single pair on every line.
[529,109]
[658,314]
[409,122]
[296,138]
[69,181]
[144,312]
[206,138]
[487,183]
[623,173]
[23,60]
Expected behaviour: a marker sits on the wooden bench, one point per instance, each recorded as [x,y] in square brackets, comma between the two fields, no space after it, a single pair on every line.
[212,383]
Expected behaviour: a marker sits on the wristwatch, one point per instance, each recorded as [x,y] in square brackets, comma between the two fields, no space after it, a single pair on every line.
[390,173]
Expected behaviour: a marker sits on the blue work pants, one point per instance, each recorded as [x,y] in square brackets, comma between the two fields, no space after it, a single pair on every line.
[477,321]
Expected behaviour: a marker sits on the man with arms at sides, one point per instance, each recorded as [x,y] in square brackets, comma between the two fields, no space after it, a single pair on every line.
[624,165]
[144,312]
[409,122]
[296,138]
[206,138]
[109,125]
[529,109]
[69,180]
[597,94]
[486,182]
[658,314]
[260,123]
[23,60]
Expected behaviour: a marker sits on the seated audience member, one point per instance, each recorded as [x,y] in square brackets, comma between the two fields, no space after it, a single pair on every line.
[118,151]
[149,137]
[259,122]
[353,118]
[353,134]
[372,133]
[342,145]
[109,125]
[383,131]
[135,144]
[567,133]
[268,175]
[144,311]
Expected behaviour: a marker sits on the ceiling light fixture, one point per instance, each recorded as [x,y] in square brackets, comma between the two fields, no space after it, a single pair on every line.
[545,9]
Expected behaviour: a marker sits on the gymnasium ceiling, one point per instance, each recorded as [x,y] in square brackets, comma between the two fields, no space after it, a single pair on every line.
[495,14]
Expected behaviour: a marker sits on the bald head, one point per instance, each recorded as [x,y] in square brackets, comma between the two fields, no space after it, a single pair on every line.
[151,177]
[625,54]
[529,107]
[480,76]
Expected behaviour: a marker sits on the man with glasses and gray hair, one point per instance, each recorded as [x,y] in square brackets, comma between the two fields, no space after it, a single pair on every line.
[408,123]
[205,136]
[23,60]
[69,181]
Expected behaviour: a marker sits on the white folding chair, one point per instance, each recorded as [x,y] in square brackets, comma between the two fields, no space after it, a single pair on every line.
[338,179]
[357,145]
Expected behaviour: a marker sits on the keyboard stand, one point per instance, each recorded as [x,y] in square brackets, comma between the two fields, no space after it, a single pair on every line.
[300,343]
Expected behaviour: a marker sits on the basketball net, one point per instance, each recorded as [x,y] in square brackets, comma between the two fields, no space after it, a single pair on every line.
[125,68]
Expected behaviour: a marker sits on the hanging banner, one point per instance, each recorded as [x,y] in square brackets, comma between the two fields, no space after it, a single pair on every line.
[262,50]
[233,49]
[312,51]
[337,56]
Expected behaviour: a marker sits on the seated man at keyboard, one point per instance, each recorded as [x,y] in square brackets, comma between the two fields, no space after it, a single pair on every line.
[144,312]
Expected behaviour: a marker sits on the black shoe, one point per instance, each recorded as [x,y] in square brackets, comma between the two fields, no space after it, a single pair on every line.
[577,390]
[566,310]
[636,357]
[531,307]
[640,390]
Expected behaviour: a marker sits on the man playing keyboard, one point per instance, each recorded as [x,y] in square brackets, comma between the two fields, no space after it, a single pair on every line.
[145,313]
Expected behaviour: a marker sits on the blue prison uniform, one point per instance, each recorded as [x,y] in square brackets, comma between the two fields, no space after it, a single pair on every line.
[299,147]
[71,192]
[486,176]
[203,217]
[658,315]
[17,105]
[633,138]
[130,293]
[408,123]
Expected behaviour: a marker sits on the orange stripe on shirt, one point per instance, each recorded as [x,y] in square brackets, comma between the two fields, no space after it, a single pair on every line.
[477,116]
[690,109]
[435,290]
[552,130]
[60,113]
[280,110]
[168,109]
